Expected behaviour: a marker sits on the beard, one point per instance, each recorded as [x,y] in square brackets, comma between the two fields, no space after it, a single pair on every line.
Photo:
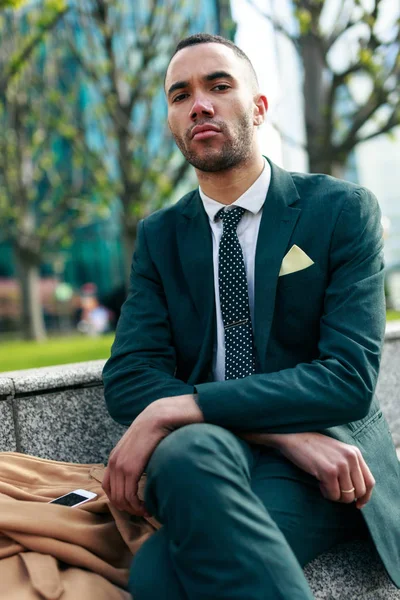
[235,150]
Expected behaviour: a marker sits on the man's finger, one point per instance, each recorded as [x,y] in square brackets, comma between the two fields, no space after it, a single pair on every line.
[117,488]
[112,484]
[330,485]
[330,482]
[106,482]
[350,477]
[357,476]
[347,491]
[135,506]
[369,484]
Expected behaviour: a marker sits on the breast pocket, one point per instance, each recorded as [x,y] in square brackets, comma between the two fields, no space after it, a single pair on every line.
[299,296]
[299,304]
[300,278]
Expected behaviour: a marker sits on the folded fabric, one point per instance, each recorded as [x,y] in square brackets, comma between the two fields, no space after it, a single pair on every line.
[55,550]
[295,260]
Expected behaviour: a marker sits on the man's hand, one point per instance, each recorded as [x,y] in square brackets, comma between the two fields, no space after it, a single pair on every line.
[337,466]
[130,456]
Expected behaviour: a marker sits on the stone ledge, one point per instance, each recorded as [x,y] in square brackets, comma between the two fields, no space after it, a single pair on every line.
[350,571]
[6,388]
[388,386]
[392,331]
[71,425]
[8,441]
[58,377]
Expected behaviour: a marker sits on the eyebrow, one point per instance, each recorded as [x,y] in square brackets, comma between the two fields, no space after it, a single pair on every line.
[218,75]
[210,77]
[177,86]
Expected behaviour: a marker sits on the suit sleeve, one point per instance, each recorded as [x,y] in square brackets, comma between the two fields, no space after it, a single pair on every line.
[143,361]
[338,386]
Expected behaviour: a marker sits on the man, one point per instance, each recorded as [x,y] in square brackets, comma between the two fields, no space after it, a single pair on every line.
[246,359]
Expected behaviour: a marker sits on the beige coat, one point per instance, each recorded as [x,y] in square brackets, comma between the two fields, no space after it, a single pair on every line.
[54,552]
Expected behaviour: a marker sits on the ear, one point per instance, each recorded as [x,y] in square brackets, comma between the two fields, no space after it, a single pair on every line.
[260,109]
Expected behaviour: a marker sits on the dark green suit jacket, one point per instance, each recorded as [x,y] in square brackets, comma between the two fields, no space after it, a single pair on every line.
[318,332]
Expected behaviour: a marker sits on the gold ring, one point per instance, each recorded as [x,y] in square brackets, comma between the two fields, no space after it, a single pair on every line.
[348,491]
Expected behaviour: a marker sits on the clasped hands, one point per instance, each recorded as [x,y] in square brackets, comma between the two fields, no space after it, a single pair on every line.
[340,468]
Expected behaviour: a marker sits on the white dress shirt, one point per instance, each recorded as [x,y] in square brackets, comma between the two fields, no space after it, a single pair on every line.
[252,200]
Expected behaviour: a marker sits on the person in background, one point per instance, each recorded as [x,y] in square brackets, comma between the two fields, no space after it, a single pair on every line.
[94,317]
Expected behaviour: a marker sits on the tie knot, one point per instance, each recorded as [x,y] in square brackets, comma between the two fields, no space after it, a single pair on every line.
[231,217]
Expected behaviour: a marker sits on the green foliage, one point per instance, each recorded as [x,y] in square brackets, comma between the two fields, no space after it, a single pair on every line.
[304,18]
[51,180]
[11,3]
[40,23]
[120,51]
[124,49]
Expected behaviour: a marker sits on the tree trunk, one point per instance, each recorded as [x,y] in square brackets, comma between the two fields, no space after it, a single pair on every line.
[319,163]
[32,320]
[321,160]
[317,110]
[129,239]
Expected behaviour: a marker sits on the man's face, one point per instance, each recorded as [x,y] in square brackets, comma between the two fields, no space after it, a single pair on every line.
[212,106]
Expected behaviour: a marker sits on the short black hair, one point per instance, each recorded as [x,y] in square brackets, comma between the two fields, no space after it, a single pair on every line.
[208,38]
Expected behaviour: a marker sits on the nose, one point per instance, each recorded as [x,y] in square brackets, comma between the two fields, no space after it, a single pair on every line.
[201,107]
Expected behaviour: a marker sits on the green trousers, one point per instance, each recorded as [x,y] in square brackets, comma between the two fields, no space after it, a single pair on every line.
[239,521]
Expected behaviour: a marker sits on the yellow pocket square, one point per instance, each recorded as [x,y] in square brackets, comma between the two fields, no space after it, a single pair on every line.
[295,260]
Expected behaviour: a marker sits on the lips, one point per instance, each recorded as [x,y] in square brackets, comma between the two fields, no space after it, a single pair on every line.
[205,135]
[204,131]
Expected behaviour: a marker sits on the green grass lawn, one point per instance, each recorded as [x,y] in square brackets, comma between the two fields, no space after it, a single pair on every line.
[393,315]
[57,351]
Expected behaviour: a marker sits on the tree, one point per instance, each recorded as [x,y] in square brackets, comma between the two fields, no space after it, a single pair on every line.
[12,64]
[11,3]
[345,105]
[123,47]
[50,179]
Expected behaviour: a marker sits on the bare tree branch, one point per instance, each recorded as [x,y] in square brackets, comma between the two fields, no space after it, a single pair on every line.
[391,122]
[277,25]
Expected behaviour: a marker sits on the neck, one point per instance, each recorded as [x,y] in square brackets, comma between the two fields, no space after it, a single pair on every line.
[227,186]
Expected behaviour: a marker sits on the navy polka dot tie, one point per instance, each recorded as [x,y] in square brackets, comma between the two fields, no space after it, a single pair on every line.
[234,299]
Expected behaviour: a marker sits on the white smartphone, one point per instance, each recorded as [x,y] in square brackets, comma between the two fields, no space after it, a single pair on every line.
[74,498]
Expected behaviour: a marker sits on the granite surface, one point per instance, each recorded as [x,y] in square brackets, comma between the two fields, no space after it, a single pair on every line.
[7,431]
[351,571]
[72,426]
[82,374]
[6,387]
[392,330]
[388,388]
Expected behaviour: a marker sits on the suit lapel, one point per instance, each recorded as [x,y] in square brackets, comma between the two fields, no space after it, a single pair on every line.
[195,252]
[276,227]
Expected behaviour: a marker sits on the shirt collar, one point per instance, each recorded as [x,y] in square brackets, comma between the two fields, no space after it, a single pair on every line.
[252,199]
